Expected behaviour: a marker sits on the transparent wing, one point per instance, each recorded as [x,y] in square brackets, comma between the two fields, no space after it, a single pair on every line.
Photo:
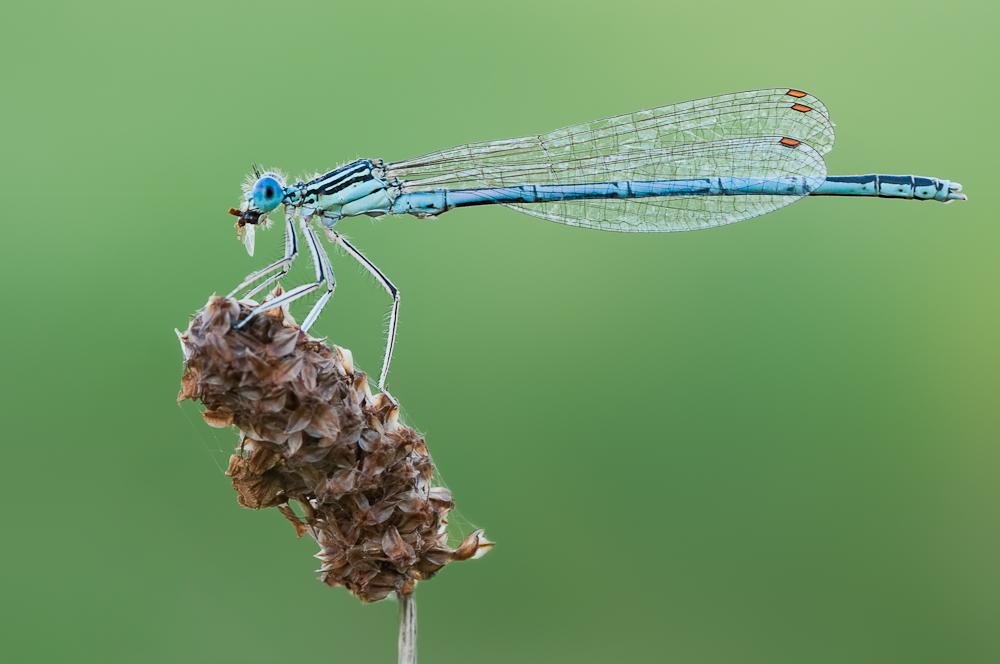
[591,151]
[718,137]
[248,238]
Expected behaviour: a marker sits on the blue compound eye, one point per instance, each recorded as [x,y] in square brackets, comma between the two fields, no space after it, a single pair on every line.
[267,193]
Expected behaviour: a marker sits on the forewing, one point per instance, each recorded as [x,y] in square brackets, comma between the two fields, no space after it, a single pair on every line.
[635,146]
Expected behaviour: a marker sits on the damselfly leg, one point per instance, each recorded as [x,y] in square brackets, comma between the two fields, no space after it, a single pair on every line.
[323,265]
[389,288]
[291,251]
[324,274]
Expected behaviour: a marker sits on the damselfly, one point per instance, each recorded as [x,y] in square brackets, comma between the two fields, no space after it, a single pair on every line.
[688,166]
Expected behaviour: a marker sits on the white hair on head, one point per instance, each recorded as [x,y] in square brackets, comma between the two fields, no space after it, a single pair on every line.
[251,179]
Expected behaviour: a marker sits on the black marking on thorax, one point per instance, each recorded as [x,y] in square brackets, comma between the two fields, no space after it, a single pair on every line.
[337,179]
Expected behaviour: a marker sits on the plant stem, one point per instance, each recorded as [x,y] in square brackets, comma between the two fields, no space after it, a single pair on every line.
[407,629]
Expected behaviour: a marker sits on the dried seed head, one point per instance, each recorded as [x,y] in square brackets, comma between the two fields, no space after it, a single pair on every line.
[314,433]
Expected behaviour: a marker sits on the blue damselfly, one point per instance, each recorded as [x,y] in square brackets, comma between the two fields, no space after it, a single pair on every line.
[688,166]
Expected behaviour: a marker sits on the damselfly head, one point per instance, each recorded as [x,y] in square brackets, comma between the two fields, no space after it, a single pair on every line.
[267,192]
[262,193]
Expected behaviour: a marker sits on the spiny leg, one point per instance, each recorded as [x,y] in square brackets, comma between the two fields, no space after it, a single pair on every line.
[321,274]
[387,285]
[323,267]
[291,251]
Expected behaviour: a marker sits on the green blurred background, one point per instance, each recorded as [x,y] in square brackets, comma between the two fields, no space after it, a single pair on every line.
[770,442]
